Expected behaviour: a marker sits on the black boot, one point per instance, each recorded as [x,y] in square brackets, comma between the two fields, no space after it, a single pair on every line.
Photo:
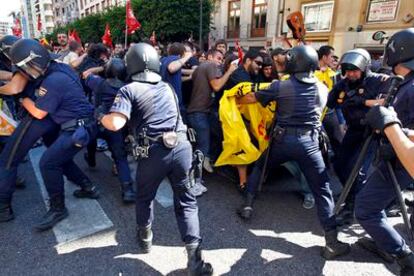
[145,238]
[90,159]
[246,210]
[87,190]
[406,262]
[128,194]
[196,265]
[333,247]
[56,213]
[346,215]
[20,182]
[6,212]
[371,246]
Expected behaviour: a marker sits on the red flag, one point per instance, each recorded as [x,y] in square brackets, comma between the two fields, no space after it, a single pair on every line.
[106,38]
[239,51]
[17,29]
[39,23]
[153,39]
[74,36]
[131,22]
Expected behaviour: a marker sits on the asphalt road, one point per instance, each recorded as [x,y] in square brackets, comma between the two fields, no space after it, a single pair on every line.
[99,236]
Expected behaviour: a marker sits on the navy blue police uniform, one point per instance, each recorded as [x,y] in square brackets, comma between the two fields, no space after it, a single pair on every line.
[107,92]
[350,97]
[300,101]
[61,95]
[153,110]
[378,192]
[298,116]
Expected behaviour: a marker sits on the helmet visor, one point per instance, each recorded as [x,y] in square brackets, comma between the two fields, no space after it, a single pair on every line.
[5,50]
[29,67]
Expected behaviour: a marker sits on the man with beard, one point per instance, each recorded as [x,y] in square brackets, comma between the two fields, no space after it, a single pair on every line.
[62,39]
[248,71]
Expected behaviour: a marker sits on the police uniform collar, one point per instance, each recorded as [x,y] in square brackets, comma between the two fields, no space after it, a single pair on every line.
[115,83]
[305,77]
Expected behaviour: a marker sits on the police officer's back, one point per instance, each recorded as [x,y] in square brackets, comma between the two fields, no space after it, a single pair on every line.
[300,101]
[162,150]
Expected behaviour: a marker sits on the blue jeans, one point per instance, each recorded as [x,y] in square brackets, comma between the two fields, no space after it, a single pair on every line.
[200,121]
[304,149]
[377,194]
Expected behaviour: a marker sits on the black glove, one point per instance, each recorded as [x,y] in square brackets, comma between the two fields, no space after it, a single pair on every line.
[379,117]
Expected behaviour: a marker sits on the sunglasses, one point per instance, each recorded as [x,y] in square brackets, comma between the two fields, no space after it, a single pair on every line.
[258,62]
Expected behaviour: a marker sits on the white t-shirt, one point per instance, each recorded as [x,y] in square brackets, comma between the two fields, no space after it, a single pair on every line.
[71,56]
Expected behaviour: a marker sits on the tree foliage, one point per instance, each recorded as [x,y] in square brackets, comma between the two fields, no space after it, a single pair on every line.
[172,20]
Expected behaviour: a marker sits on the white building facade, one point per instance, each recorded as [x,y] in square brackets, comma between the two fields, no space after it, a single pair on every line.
[65,11]
[87,7]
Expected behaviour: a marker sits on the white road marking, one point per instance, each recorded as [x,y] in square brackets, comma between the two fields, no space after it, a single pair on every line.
[164,194]
[86,216]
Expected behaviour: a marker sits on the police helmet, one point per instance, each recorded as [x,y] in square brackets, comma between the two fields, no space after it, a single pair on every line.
[400,49]
[6,42]
[355,59]
[115,72]
[302,61]
[30,57]
[143,63]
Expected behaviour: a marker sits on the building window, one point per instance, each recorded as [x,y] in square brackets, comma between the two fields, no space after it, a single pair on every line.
[233,23]
[259,15]
[97,7]
[81,4]
[382,11]
[318,16]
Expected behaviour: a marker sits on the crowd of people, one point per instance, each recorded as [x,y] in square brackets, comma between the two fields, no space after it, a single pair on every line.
[162,105]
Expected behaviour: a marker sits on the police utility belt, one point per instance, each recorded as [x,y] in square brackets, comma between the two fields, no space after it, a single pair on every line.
[140,145]
[280,131]
[75,123]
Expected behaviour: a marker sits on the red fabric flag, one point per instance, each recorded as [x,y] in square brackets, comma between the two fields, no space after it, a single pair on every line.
[39,23]
[74,36]
[106,38]
[153,39]
[17,29]
[131,22]
[239,51]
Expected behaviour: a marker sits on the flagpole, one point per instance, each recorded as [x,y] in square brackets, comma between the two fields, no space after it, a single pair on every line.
[126,26]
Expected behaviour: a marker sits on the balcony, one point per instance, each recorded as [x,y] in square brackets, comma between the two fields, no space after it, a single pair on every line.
[231,33]
[256,32]
[48,13]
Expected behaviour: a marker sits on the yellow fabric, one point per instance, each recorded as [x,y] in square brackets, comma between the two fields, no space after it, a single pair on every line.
[237,146]
[326,77]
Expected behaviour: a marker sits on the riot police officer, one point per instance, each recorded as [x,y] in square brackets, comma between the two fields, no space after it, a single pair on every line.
[104,92]
[162,151]
[300,101]
[354,94]
[378,191]
[61,112]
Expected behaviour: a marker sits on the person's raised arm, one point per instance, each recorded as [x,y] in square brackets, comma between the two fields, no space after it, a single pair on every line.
[15,86]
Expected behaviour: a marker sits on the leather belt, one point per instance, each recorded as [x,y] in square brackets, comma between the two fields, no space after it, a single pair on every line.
[75,123]
[182,137]
[298,131]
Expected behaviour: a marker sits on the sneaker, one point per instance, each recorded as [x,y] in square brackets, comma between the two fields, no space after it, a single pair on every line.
[101,145]
[308,201]
[198,189]
[207,165]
